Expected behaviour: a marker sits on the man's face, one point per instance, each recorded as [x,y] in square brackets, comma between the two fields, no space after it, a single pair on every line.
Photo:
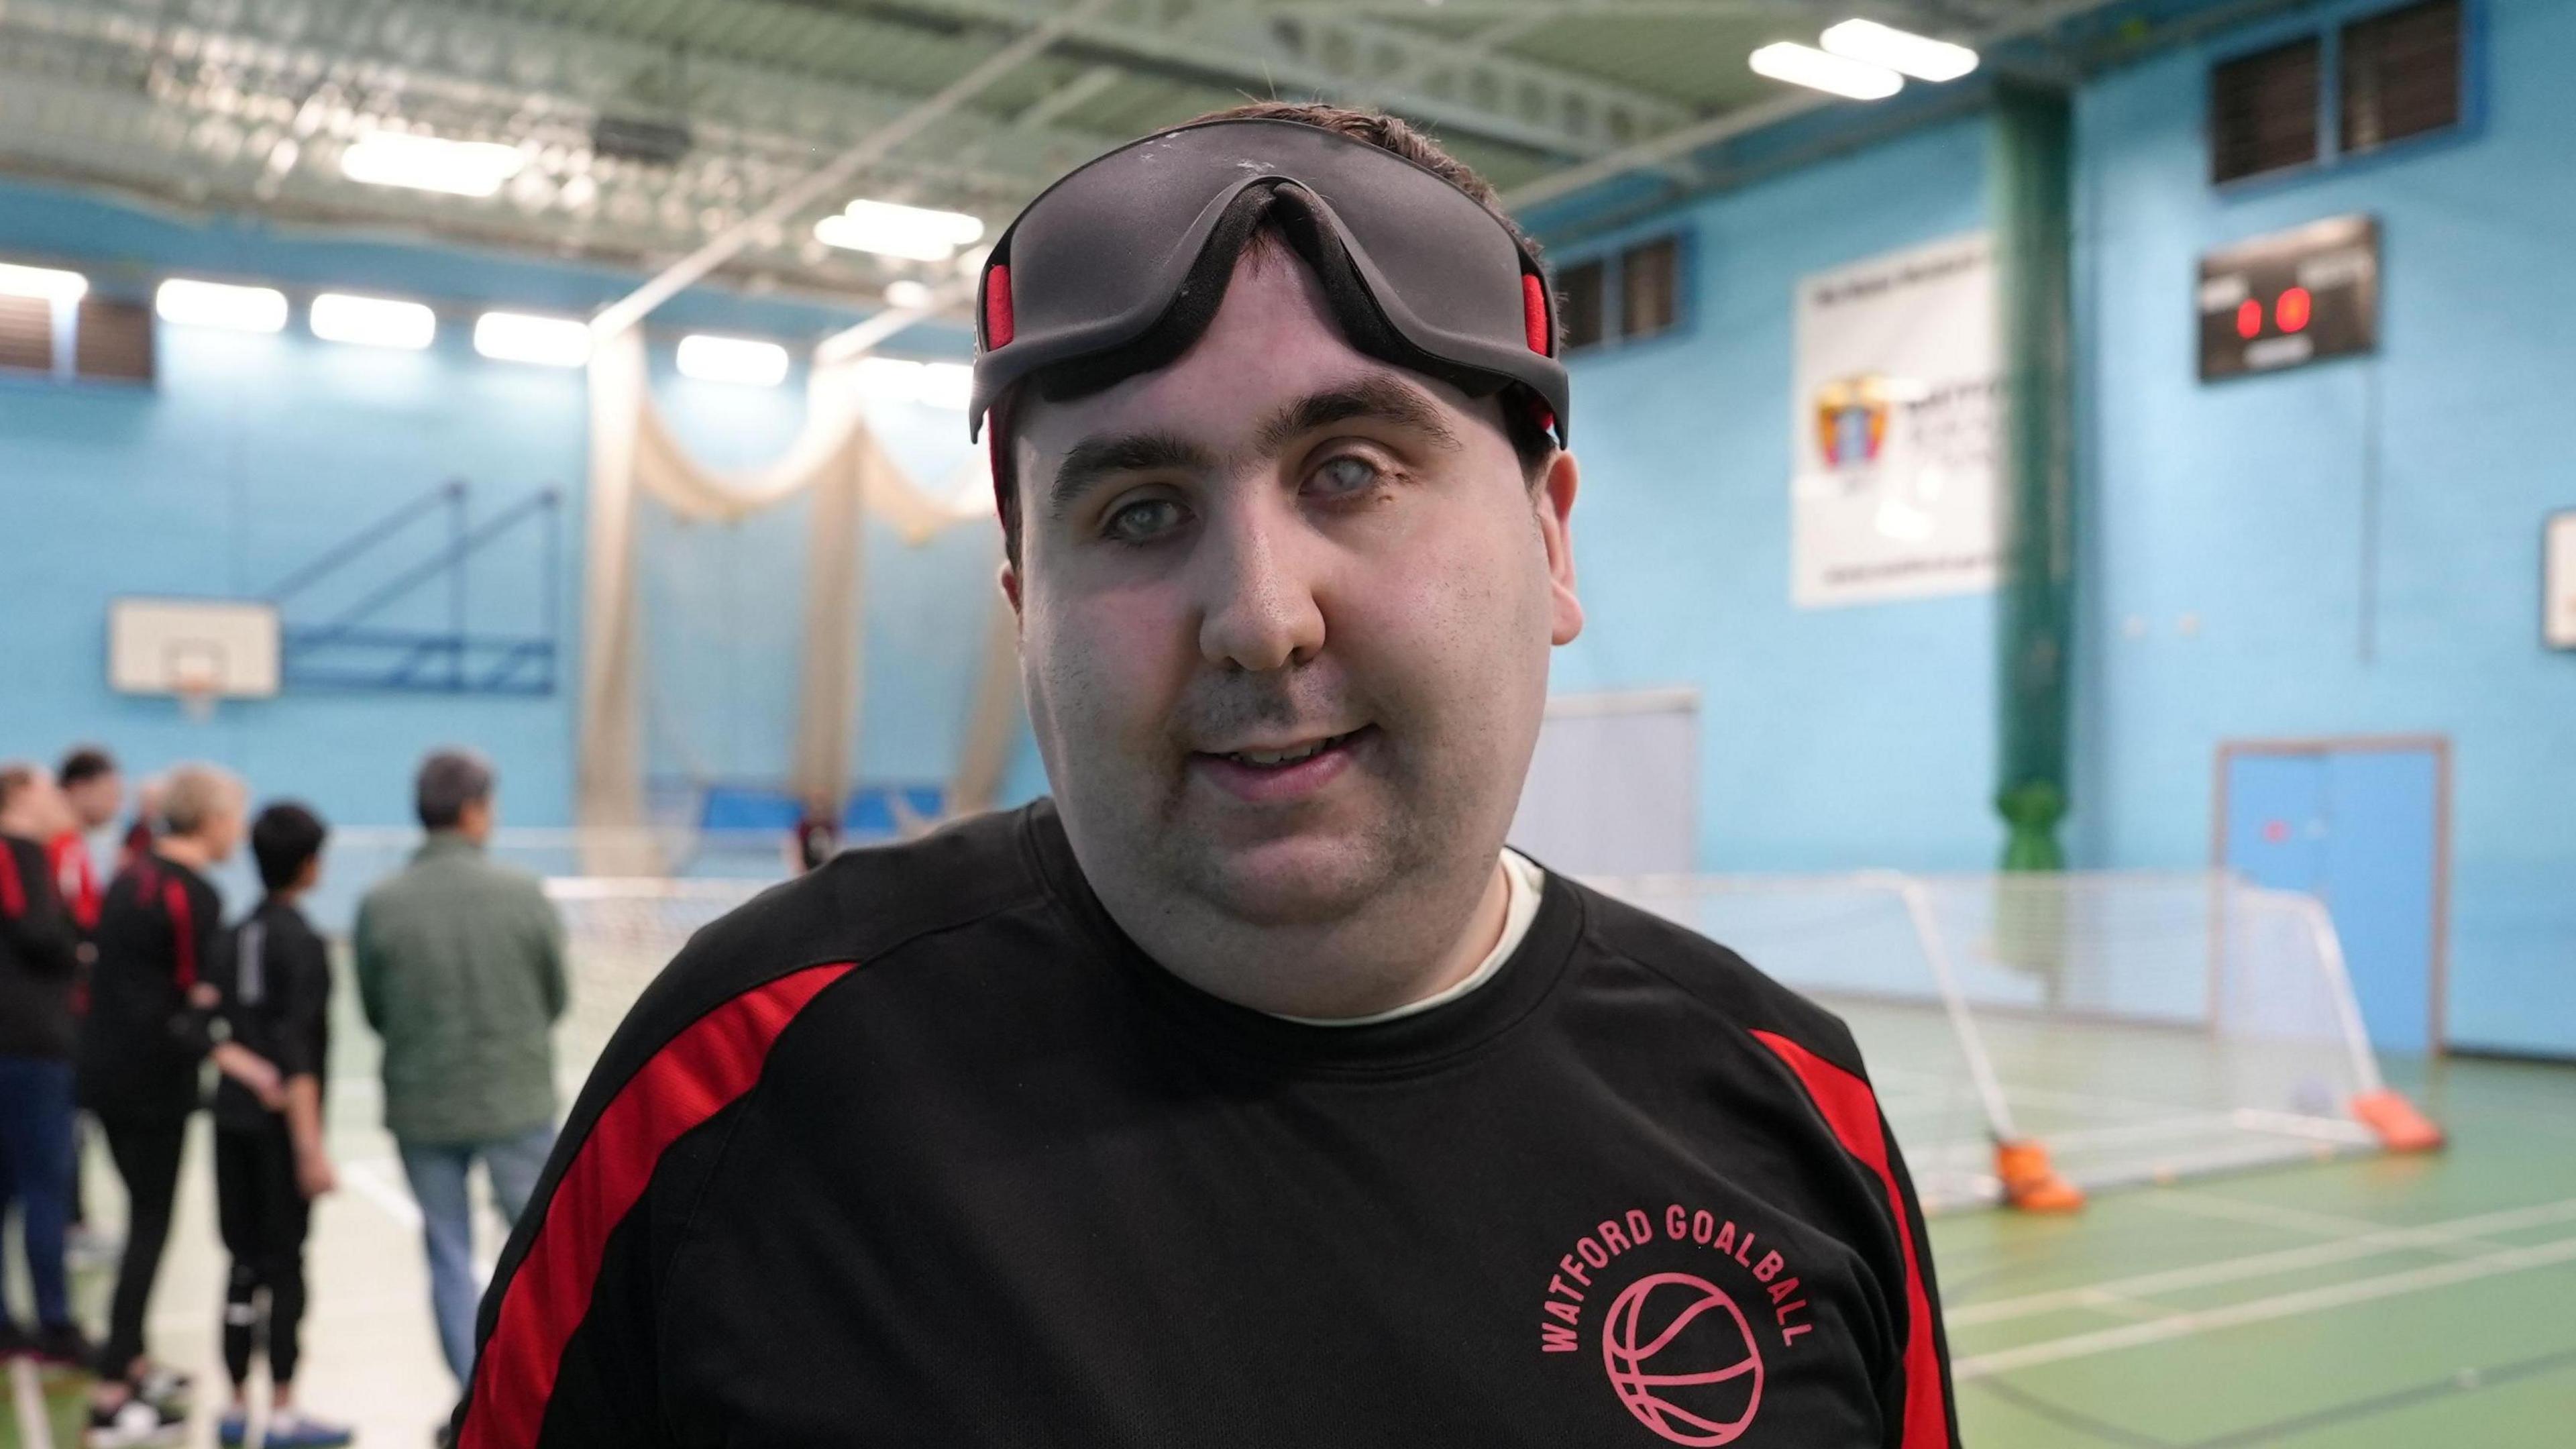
[97,799]
[1285,619]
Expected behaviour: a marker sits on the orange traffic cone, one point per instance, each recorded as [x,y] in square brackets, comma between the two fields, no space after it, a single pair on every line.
[2400,1126]
[2030,1183]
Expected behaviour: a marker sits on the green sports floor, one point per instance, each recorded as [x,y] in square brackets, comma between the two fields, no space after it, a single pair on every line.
[2376,1301]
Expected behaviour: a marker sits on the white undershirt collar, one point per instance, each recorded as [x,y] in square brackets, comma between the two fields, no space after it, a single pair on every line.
[1523,884]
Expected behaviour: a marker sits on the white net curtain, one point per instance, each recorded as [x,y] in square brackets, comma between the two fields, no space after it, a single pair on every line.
[853,482]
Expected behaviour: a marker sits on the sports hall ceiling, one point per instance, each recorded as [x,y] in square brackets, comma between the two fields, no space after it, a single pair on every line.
[247,105]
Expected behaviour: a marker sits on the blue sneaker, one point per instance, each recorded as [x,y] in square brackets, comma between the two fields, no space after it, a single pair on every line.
[295,1429]
[233,1428]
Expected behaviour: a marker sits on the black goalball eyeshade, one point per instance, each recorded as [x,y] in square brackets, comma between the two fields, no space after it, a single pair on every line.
[1120,265]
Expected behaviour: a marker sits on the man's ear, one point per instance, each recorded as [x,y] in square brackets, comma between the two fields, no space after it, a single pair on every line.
[1009,578]
[1554,500]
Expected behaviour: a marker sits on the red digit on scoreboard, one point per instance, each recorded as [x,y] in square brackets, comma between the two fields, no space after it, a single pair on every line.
[2292,311]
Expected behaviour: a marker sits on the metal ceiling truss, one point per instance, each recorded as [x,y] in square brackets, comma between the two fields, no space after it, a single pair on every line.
[248,104]
[257,111]
[1263,49]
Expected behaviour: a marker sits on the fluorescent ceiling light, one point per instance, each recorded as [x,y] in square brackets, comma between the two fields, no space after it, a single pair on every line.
[912,232]
[522,337]
[373,321]
[908,294]
[932,384]
[947,384]
[889,377]
[1807,66]
[1900,50]
[42,282]
[710,358]
[217,304]
[430,163]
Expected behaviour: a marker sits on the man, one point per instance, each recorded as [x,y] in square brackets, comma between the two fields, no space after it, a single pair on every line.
[37,962]
[274,978]
[95,791]
[460,970]
[142,1043]
[1249,1092]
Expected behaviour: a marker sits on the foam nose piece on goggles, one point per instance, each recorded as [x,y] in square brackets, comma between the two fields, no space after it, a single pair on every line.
[1119,266]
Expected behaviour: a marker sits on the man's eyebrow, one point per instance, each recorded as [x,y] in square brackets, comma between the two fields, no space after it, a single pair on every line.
[1378,396]
[1096,460]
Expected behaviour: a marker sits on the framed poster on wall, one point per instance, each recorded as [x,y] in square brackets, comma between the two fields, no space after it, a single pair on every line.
[1892,428]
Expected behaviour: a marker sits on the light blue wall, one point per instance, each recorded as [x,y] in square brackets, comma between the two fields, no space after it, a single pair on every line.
[252,454]
[2222,527]
[2246,506]
[1832,737]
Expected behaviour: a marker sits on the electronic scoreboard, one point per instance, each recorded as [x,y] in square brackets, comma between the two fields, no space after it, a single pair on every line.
[2293,297]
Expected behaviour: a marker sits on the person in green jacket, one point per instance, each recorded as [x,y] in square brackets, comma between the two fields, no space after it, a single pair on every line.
[461,972]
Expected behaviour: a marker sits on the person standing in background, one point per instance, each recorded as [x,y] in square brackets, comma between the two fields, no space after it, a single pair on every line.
[37,963]
[460,970]
[140,1047]
[274,976]
[146,824]
[95,791]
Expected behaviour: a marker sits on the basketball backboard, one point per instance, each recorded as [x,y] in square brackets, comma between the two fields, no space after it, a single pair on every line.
[195,648]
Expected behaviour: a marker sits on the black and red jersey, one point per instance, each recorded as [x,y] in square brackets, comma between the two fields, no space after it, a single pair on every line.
[922,1150]
[142,1040]
[75,877]
[38,960]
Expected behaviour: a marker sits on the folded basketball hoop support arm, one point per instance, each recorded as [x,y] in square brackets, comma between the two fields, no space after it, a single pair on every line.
[525,664]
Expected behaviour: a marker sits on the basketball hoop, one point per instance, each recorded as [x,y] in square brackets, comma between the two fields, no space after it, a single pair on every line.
[196,681]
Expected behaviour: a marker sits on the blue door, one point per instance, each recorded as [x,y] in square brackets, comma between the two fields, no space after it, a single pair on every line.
[2358,828]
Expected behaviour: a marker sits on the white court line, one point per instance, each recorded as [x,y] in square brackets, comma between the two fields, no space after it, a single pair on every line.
[2260,1265]
[35,1429]
[372,1180]
[2262,1310]
[2326,1225]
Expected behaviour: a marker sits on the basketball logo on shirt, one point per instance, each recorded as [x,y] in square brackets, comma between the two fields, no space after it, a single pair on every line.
[1684,1355]
[1682,1358]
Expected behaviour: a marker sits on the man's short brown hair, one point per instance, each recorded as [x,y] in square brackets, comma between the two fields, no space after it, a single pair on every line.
[1531,439]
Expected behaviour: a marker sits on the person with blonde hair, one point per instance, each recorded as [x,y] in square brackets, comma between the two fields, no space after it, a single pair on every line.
[139,1053]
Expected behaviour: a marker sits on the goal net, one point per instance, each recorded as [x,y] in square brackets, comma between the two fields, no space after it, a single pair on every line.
[2034,1036]
[619,934]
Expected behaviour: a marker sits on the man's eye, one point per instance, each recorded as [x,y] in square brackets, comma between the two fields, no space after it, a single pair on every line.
[1347,475]
[1141,520]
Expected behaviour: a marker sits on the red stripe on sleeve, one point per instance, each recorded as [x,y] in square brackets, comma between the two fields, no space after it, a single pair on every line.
[13,891]
[183,932]
[1851,1109]
[702,1070]
[74,879]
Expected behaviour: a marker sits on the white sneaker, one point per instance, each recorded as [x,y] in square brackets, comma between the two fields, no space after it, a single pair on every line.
[137,1421]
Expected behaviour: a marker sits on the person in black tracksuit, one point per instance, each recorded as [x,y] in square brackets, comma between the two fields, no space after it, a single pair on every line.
[141,1048]
[38,941]
[274,977]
